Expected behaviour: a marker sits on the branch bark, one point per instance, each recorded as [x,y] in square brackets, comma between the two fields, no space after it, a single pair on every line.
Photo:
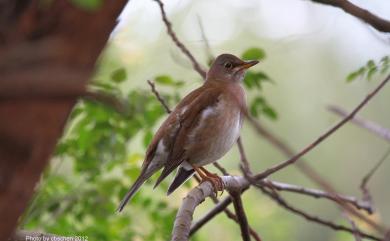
[47,56]
[366,16]
[182,225]
[373,127]
[276,197]
[240,213]
[325,135]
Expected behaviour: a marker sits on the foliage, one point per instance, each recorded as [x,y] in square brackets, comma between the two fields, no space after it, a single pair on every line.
[253,82]
[370,69]
[101,168]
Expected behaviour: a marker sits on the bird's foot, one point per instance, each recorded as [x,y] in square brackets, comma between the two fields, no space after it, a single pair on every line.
[214,179]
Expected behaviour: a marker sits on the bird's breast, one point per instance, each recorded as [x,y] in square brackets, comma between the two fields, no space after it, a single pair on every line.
[218,129]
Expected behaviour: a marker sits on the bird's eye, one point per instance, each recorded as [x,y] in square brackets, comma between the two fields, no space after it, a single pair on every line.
[228,65]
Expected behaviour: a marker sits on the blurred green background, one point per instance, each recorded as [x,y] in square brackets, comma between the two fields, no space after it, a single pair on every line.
[309,51]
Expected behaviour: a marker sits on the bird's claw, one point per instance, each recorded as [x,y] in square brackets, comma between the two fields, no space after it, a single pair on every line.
[216,182]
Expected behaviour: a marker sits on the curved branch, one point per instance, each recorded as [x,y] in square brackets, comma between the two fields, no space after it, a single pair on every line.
[181,228]
[366,16]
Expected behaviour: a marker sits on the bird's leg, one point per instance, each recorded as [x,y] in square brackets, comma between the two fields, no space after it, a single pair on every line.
[215,180]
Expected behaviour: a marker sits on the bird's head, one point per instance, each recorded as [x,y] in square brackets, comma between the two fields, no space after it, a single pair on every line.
[227,67]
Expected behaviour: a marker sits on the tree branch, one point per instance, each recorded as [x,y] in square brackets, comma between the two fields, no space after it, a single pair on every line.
[363,186]
[318,194]
[240,213]
[222,205]
[276,197]
[178,43]
[158,96]
[354,227]
[366,16]
[197,195]
[369,125]
[322,137]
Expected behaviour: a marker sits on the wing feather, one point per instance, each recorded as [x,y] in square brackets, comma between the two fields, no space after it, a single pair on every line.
[188,120]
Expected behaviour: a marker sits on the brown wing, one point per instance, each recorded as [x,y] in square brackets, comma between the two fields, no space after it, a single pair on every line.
[168,126]
[188,120]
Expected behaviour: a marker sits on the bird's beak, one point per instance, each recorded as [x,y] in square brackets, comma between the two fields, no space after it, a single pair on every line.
[247,64]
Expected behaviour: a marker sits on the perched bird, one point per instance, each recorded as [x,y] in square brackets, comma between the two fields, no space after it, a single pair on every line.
[200,130]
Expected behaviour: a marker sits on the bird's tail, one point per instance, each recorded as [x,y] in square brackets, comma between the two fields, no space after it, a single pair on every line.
[145,174]
[182,175]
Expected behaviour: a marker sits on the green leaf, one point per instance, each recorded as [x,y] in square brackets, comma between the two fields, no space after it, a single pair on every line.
[89,5]
[253,54]
[119,75]
[352,76]
[164,80]
[371,72]
[270,113]
[256,105]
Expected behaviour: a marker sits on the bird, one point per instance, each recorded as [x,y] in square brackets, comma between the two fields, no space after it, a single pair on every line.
[200,130]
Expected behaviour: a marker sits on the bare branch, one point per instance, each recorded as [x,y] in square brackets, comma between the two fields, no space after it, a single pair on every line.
[276,197]
[244,161]
[354,227]
[322,137]
[209,52]
[219,207]
[240,213]
[158,96]
[318,194]
[363,186]
[178,43]
[197,195]
[282,187]
[369,125]
[375,21]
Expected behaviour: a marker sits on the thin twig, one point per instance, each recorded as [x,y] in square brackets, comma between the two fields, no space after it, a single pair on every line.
[325,135]
[313,218]
[322,137]
[178,43]
[317,194]
[376,22]
[363,186]
[369,125]
[209,52]
[240,213]
[158,96]
[244,161]
[221,168]
[354,227]
[307,170]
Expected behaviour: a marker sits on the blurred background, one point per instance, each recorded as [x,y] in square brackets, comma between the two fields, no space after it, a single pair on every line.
[306,50]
